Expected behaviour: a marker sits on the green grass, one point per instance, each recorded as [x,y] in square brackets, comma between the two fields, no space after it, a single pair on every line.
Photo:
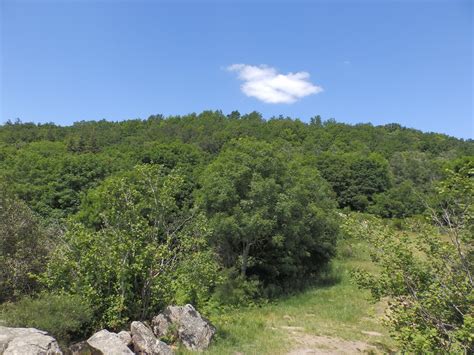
[340,310]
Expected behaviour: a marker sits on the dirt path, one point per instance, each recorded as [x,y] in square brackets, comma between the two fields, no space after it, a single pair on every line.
[320,344]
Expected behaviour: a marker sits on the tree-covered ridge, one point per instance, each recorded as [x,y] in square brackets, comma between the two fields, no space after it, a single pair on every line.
[209,209]
[211,129]
[50,166]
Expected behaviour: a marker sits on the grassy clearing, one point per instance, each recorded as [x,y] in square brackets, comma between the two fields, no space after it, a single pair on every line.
[338,310]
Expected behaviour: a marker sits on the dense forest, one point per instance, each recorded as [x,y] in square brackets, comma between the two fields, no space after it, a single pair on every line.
[109,222]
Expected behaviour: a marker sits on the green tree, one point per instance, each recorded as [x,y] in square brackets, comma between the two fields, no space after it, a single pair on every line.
[422,169]
[51,180]
[354,177]
[133,264]
[24,248]
[272,214]
[398,202]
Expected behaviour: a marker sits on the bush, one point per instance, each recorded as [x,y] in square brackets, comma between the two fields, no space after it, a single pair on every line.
[23,247]
[427,275]
[136,263]
[65,317]
[236,290]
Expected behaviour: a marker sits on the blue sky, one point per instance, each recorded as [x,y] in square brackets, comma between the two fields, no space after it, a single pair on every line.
[357,61]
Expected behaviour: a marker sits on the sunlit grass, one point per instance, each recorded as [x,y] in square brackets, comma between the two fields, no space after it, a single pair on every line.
[340,310]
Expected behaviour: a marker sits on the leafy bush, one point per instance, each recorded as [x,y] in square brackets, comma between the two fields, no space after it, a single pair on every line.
[195,279]
[66,317]
[134,264]
[23,248]
[427,275]
[236,290]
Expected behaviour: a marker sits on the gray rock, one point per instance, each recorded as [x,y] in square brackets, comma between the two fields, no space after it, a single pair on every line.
[83,348]
[126,337]
[162,323]
[145,342]
[108,343]
[27,341]
[194,331]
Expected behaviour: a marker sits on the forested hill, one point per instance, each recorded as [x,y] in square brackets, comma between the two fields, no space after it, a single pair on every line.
[103,223]
[368,166]
[210,130]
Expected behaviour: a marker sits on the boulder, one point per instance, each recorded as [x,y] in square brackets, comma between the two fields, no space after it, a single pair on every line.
[27,341]
[145,342]
[194,331]
[162,324]
[83,348]
[108,343]
[126,337]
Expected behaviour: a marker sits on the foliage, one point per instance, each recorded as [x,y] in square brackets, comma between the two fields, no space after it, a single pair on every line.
[51,167]
[147,240]
[23,247]
[172,155]
[453,205]
[398,202]
[427,275]
[419,168]
[237,290]
[66,317]
[355,178]
[273,217]
[235,210]
[50,181]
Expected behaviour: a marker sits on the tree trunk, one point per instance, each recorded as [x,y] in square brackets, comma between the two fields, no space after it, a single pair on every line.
[245,258]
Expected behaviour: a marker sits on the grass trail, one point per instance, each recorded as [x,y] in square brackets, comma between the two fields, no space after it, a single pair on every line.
[339,310]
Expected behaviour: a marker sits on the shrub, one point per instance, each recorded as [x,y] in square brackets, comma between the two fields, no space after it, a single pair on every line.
[66,317]
[23,247]
[427,275]
[236,290]
[136,263]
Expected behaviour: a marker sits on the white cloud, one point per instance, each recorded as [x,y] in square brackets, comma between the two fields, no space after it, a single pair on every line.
[267,85]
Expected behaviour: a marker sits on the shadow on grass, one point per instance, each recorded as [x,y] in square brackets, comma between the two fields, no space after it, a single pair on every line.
[331,275]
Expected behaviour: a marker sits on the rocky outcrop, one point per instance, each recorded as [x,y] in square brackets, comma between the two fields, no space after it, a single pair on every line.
[27,341]
[108,343]
[183,323]
[145,342]
[194,331]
